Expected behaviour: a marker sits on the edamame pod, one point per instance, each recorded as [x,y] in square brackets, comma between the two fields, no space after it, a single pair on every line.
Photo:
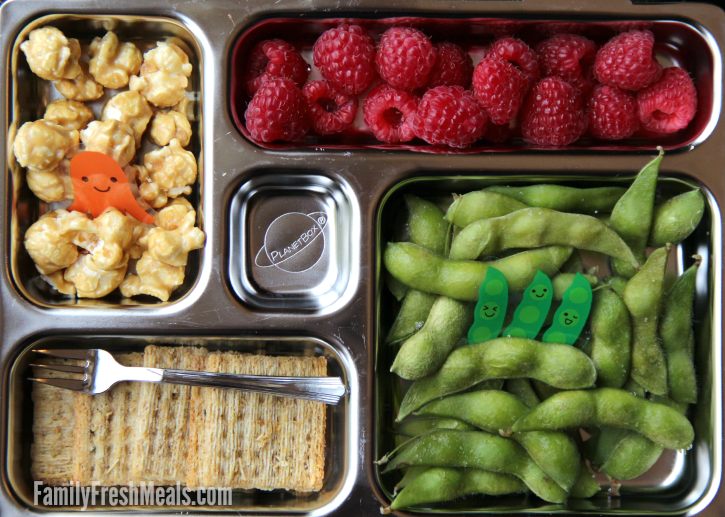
[491,307]
[617,283]
[572,314]
[675,331]
[426,226]
[398,289]
[632,215]
[420,269]
[562,366]
[411,316]
[496,411]
[544,391]
[481,204]
[675,219]
[522,390]
[420,426]
[537,227]
[586,485]
[609,406]
[610,348]
[562,282]
[477,449]
[565,199]
[643,297]
[425,352]
[531,312]
[438,484]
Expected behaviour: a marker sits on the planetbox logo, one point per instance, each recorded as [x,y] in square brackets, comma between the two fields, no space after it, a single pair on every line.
[294,242]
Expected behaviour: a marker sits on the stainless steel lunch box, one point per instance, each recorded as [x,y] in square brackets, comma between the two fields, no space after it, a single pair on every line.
[347,194]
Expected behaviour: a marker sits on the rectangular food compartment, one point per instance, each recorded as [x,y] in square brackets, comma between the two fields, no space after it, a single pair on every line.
[29,95]
[677,43]
[340,453]
[679,482]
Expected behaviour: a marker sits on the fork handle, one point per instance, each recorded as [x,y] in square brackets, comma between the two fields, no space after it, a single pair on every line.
[319,389]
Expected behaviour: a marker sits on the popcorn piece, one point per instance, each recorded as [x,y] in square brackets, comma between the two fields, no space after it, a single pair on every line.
[81,88]
[41,145]
[167,172]
[167,125]
[130,108]
[172,246]
[110,137]
[59,283]
[115,235]
[112,63]
[51,55]
[171,217]
[72,115]
[51,240]
[91,281]
[153,278]
[164,74]
[49,186]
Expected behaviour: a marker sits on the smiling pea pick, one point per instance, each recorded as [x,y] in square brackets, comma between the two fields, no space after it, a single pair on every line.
[493,298]
[572,314]
[531,312]
[100,182]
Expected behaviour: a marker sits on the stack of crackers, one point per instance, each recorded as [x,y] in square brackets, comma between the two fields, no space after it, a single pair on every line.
[165,433]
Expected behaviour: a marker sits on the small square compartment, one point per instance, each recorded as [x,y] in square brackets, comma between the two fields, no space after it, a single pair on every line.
[291,243]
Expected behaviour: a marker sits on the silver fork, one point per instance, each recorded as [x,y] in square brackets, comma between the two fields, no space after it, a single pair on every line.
[101,371]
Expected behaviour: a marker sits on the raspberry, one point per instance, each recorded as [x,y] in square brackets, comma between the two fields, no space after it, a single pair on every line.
[519,54]
[568,57]
[346,58]
[271,59]
[405,58]
[277,112]
[552,114]
[389,113]
[330,110]
[627,61]
[449,115]
[612,113]
[500,87]
[453,67]
[669,104]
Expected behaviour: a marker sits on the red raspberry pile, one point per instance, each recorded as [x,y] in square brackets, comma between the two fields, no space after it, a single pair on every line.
[550,95]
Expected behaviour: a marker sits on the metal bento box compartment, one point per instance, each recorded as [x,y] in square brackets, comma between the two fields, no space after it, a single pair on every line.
[28,97]
[680,482]
[341,419]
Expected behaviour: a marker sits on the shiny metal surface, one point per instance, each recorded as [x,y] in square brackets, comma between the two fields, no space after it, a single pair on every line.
[349,326]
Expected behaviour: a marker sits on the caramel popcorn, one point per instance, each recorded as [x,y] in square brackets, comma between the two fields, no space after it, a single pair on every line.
[72,115]
[167,125]
[153,278]
[163,77]
[130,108]
[41,145]
[91,281]
[50,186]
[81,88]
[110,137]
[109,245]
[173,246]
[167,173]
[52,240]
[59,283]
[51,55]
[112,63]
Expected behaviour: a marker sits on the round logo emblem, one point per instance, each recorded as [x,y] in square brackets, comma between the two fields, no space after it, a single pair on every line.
[293,242]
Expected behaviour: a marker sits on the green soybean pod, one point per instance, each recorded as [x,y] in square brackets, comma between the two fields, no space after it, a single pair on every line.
[675,331]
[562,366]
[563,281]
[617,283]
[425,351]
[426,226]
[477,449]
[586,485]
[632,215]
[613,407]
[643,297]
[675,219]
[412,315]
[420,269]
[409,475]
[610,348]
[421,426]
[439,484]
[491,307]
[398,289]
[565,199]
[481,204]
[537,227]
[543,390]
[572,314]
[496,411]
[531,312]
[522,390]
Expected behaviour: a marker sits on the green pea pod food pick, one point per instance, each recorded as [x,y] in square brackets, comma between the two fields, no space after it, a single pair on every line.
[572,314]
[490,312]
[531,312]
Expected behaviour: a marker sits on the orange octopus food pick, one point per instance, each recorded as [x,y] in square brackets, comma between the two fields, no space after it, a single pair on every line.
[100,182]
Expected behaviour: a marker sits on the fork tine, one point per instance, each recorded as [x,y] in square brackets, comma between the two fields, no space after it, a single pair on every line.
[69,384]
[61,367]
[81,355]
